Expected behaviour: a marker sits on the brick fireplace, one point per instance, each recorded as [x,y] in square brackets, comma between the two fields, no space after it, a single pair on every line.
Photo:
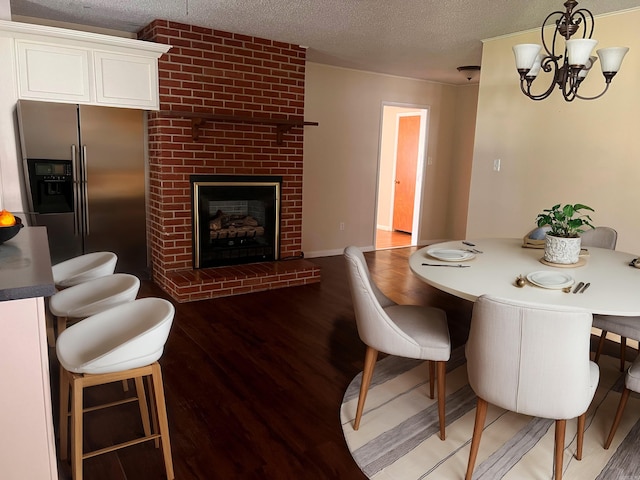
[221,98]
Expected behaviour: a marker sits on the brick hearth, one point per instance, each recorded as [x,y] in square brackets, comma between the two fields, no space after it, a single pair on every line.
[220,73]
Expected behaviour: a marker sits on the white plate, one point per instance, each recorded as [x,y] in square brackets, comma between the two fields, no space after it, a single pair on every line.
[547,279]
[450,255]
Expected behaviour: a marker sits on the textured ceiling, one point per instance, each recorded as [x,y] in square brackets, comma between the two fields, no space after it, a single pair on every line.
[425,39]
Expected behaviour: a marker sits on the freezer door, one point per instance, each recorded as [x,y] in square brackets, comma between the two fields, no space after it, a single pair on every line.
[112,147]
[47,130]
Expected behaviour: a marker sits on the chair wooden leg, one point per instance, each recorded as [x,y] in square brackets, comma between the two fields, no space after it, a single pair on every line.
[481,415]
[442,371]
[618,417]
[162,419]
[603,337]
[623,352]
[561,427]
[370,357]
[432,377]
[580,439]
[76,427]
[64,414]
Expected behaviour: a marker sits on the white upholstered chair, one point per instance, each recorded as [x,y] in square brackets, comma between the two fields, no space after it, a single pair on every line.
[601,237]
[410,331]
[83,268]
[626,327]
[631,384]
[121,343]
[530,359]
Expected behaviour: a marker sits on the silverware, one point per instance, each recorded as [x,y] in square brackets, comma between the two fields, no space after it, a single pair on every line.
[578,287]
[440,265]
[477,251]
[585,287]
[469,243]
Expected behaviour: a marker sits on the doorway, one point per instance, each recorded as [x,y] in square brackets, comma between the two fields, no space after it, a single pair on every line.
[400,175]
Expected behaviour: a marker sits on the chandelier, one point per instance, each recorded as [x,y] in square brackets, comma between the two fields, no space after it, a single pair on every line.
[570,68]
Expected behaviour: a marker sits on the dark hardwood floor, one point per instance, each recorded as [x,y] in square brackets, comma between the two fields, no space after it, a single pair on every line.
[254,383]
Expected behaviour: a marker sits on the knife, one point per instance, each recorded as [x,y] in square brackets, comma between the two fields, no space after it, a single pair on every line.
[578,287]
[585,287]
[439,265]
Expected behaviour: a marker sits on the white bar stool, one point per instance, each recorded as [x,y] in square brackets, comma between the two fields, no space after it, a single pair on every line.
[83,268]
[123,342]
[91,297]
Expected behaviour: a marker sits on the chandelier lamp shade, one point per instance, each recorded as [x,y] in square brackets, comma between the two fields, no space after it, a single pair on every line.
[569,67]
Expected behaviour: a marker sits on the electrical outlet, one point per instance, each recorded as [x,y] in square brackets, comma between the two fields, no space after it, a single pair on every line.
[341,225]
[496,165]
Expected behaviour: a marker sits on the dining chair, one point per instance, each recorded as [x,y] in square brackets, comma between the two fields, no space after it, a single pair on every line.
[626,327]
[631,384]
[121,343]
[531,359]
[410,331]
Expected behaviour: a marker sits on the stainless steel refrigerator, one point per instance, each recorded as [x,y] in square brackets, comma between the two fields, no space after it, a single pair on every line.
[84,169]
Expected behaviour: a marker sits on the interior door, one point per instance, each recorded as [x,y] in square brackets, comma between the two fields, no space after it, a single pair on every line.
[406,167]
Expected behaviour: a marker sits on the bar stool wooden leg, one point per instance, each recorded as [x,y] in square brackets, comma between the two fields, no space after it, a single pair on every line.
[142,402]
[61,325]
[76,426]
[162,418]
[64,414]
[154,409]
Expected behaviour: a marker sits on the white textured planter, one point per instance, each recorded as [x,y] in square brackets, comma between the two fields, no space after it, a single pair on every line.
[562,250]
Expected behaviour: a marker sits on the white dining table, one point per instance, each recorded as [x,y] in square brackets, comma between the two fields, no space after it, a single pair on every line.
[614,289]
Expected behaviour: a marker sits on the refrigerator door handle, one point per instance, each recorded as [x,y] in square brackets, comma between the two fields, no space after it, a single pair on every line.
[76,192]
[85,190]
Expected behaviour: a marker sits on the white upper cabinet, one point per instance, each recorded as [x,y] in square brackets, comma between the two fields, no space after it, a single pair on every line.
[56,64]
[53,73]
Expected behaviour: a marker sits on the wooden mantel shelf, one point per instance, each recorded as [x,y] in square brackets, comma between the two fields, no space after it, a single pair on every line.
[283,125]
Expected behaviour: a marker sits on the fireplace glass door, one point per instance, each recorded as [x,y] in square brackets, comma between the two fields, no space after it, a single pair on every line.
[236,219]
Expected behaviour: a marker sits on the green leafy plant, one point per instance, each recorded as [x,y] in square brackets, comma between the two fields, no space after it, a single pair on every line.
[565,221]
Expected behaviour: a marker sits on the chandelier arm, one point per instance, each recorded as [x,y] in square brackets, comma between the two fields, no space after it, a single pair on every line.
[606,87]
[555,32]
[585,15]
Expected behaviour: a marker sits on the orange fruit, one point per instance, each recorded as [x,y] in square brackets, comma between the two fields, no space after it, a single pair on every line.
[7,219]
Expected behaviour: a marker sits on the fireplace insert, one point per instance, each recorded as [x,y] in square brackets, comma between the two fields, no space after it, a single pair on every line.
[236,219]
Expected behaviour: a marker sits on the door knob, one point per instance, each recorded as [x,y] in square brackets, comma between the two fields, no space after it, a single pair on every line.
[397,182]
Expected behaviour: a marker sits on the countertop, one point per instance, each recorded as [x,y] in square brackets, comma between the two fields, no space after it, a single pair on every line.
[25,266]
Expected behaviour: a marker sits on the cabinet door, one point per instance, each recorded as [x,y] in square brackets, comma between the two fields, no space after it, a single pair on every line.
[51,72]
[126,80]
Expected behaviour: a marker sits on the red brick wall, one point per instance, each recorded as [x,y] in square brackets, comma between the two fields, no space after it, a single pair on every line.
[220,73]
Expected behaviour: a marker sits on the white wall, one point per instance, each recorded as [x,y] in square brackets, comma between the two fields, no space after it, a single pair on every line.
[558,152]
[341,155]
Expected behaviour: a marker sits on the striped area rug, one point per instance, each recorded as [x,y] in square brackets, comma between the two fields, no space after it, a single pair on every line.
[398,436]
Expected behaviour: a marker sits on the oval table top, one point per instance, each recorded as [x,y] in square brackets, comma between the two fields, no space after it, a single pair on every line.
[614,289]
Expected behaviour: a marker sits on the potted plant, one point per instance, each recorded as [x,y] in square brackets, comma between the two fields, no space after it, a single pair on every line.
[562,242]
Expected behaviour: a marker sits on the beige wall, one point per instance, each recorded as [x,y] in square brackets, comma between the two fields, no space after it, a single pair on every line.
[341,155]
[553,151]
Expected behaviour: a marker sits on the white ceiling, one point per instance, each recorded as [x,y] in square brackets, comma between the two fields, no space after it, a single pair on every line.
[425,39]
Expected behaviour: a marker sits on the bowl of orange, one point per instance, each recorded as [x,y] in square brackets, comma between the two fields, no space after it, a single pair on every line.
[10,225]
